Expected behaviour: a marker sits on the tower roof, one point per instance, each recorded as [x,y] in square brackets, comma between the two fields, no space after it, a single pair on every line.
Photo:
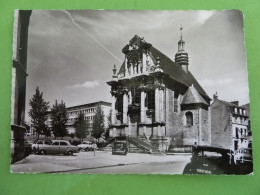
[192,96]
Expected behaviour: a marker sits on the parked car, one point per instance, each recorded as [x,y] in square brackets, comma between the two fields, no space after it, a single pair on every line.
[209,160]
[38,143]
[55,147]
[27,147]
[119,147]
[243,155]
[86,145]
[215,160]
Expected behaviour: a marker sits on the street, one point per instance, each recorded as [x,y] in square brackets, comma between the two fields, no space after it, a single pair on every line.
[104,163]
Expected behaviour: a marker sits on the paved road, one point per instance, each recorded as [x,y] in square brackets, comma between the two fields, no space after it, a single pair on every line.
[140,168]
[103,162]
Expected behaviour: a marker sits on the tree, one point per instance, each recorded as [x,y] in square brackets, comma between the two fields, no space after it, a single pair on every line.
[98,123]
[81,126]
[38,112]
[59,119]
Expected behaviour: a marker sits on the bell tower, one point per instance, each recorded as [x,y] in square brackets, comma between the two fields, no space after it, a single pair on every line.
[181,57]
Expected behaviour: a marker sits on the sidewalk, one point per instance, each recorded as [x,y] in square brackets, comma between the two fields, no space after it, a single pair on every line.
[87,160]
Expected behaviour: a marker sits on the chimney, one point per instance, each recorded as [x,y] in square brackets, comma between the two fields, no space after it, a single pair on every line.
[215,96]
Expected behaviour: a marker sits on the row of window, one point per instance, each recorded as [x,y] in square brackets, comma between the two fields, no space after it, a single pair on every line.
[239,111]
[240,132]
[85,118]
[82,111]
[239,120]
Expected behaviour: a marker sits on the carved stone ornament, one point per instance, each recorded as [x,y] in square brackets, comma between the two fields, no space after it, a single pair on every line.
[133,108]
[119,116]
[149,112]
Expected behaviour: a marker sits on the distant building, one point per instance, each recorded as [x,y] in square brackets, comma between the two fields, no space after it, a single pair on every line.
[89,110]
[156,98]
[229,125]
[19,74]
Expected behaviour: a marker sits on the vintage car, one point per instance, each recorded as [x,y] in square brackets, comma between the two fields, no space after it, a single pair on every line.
[215,160]
[210,160]
[119,147]
[37,143]
[55,147]
[86,145]
[27,147]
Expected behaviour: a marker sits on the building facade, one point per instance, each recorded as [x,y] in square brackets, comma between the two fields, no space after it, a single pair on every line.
[89,110]
[155,98]
[229,125]
[19,74]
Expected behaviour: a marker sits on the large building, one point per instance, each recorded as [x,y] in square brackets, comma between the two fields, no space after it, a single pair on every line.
[230,124]
[155,98]
[89,110]
[19,74]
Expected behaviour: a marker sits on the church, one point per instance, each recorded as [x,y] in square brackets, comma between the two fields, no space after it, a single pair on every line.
[155,98]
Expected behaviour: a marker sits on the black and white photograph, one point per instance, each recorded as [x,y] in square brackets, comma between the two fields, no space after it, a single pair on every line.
[130,92]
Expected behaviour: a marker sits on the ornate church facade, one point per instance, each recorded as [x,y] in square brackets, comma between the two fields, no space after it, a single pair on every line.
[156,98]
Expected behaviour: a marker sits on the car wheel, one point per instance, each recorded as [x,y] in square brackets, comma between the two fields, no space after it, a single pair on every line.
[42,152]
[86,149]
[70,153]
[34,150]
[187,169]
[81,149]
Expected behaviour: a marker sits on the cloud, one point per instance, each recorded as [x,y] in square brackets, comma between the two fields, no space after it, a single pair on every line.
[87,84]
[213,82]
[89,35]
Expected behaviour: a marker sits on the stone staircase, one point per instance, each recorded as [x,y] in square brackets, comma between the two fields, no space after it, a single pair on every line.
[144,145]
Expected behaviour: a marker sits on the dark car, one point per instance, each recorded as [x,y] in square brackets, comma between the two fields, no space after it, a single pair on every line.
[119,148]
[214,160]
[27,147]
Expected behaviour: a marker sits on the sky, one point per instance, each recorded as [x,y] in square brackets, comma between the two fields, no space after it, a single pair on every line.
[71,53]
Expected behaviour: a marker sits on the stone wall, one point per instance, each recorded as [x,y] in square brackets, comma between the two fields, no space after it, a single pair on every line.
[220,125]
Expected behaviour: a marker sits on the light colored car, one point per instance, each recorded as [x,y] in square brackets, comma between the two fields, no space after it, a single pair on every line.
[55,147]
[86,145]
[38,143]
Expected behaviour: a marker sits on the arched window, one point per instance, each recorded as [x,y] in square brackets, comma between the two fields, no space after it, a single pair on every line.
[189,118]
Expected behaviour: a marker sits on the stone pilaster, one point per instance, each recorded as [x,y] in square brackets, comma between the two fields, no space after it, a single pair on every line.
[161,102]
[142,114]
[131,69]
[113,110]
[125,107]
[157,105]
[126,69]
[144,63]
[130,97]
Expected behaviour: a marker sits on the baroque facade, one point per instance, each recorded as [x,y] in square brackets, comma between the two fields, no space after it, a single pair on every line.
[156,98]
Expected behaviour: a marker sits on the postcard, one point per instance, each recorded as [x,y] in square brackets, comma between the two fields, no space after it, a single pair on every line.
[130,92]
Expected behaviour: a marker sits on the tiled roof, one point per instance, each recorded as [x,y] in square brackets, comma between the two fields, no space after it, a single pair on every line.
[228,103]
[192,96]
